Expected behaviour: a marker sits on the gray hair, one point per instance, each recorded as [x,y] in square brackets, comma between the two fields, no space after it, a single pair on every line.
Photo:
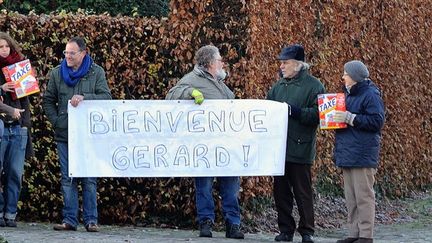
[302,66]
[205,55]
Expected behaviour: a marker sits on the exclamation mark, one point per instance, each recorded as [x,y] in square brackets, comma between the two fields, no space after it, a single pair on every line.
[246,149]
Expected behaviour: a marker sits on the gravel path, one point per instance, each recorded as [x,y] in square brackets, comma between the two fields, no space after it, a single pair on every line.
[41,232]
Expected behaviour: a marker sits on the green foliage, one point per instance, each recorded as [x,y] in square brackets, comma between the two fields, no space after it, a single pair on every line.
[157,8]
[328,186]
[258,204]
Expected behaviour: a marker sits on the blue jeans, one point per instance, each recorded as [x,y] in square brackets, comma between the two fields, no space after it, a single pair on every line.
[228,189]
[70,192]
[12,155]
[1,128]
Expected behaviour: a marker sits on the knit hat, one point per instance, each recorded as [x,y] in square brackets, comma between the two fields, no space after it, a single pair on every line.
[295,51]
[356,70]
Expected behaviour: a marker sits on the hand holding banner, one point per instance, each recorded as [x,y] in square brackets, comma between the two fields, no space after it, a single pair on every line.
[167,138]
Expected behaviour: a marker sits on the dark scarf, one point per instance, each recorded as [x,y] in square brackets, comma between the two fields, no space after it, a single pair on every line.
[71,77]
[13,57]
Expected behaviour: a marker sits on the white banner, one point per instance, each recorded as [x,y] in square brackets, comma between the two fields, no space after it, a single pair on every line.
[173,138]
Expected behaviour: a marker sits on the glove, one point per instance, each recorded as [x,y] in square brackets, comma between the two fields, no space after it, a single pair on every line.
[294,111]
[339,116]
[344,116]
[198,96]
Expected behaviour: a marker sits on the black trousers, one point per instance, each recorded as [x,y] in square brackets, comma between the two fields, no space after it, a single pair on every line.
[295,184]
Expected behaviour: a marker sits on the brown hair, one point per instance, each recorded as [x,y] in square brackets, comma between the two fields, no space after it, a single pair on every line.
[80,42]
[14,47]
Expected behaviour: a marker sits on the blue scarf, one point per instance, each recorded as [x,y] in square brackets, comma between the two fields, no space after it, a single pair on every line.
[71,77]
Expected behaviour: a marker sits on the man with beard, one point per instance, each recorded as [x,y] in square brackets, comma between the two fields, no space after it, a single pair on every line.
[206,80]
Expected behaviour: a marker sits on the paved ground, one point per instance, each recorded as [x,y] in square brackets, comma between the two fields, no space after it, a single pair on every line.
[40,232]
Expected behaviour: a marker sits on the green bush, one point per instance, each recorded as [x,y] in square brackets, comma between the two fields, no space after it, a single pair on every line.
[157,8]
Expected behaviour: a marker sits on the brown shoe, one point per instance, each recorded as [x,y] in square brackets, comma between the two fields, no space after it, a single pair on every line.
[64,226]
[364,240]
[347,240]
[92,227]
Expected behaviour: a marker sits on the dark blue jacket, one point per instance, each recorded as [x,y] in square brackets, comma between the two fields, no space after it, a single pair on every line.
[359,145]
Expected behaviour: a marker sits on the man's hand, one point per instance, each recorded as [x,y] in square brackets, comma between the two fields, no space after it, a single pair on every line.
[76,99]
[17,113]
[294,111]
[8,87]
[198,96]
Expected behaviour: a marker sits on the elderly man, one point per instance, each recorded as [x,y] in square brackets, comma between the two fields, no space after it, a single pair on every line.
[77,78]
[206,81]
[299,90]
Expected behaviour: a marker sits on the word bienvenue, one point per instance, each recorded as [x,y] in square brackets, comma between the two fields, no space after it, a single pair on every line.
[196,121]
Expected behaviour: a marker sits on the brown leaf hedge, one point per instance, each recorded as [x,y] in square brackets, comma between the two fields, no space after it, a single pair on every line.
[144,57]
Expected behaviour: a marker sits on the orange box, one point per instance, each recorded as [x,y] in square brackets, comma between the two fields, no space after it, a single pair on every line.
[327,105]
[23,76]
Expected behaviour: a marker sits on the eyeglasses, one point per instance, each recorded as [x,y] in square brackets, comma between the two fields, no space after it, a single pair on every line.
[70,53]
[219,59]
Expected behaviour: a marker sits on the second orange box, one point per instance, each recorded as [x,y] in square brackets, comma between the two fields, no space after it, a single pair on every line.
[327,105]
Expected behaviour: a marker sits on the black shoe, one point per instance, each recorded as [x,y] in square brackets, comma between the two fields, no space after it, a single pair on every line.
[284,237]
[2,222]
[347,240]
[11,223]
[307,238]
[233,231]
[206,228]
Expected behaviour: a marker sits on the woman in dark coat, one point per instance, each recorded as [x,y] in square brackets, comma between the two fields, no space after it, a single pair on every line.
[357,149]
[15,141]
